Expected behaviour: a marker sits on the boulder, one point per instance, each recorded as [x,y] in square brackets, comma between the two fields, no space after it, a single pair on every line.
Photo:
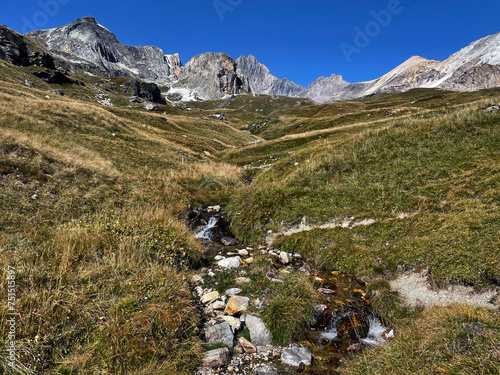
[229,262]
[212,210]
[235,323]
[259,334]
[326,291]
[295,355]
[247,346]
[491,108]
[236,305]
[217,358]
[233,292]
[135,99]
[56,92]
[352,325]
[217,305]
[147,91]
[243,252]
[219,333]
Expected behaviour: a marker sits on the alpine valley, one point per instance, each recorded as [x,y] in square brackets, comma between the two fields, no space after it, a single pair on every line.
[210,218]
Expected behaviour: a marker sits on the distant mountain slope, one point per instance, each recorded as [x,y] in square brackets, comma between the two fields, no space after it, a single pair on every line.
[474,67]
[86,44]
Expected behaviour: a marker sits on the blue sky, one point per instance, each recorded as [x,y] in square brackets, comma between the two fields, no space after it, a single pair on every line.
[297,39]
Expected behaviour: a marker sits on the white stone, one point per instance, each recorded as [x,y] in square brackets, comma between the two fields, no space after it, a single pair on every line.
[285,258]
[296,355]
[230,262]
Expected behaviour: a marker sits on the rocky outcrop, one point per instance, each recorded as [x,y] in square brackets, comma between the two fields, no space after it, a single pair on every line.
[147,91]
[18,50]
[211,76]
[87,45]
[54,77]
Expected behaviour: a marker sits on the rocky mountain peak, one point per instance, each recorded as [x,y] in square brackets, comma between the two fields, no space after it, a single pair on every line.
[87,45]
[325,89]
[212,75]
[261,81]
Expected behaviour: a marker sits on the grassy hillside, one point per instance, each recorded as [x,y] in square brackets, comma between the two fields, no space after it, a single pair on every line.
[93,201]
[430,184]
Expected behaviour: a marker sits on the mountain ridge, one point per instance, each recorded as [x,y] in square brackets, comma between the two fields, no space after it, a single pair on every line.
[86,44]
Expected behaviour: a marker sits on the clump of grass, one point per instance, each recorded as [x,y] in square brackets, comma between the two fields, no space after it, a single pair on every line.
[458,339]
[290,309]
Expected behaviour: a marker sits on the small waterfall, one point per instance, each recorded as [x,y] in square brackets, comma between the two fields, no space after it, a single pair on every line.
[205,232]
[377,335]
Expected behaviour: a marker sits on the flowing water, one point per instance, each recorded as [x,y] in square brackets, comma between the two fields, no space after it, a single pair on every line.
[352,325]
[206,232]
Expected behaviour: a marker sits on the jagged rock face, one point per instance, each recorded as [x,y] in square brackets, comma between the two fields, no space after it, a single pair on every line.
[326,89]
[16,50]
[261,81]
[87,45]
[211,76]
[470,78]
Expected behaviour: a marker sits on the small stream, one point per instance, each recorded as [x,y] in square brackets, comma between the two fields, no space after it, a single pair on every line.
[344,320]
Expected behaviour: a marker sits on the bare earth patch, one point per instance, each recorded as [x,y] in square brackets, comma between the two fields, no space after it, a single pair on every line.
[416,289]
